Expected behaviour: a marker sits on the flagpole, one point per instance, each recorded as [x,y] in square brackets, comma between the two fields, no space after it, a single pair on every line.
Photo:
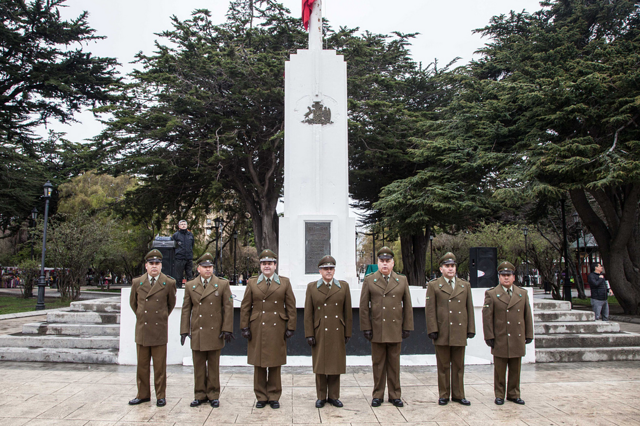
[315,26]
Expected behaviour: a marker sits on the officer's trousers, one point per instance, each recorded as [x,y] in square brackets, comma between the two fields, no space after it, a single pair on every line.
[159,355]
[500,373]
[328,385]
[206,371]
[450,360]
[267,385]
[386,368]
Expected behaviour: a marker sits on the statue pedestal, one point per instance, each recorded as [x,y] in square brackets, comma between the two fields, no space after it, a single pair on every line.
[316,218]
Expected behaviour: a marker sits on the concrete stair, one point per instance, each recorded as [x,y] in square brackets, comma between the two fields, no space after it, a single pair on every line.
[565,335]
[87,332]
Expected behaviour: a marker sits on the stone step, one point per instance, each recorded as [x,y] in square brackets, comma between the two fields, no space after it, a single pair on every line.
[71,329]
[551,305]
[107,305]
[67,317]
[20,340]
[588,354]
[563,316]
[84,356]
[604,340]
[590,327]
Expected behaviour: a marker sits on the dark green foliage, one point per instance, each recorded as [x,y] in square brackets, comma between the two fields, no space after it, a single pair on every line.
[44,75]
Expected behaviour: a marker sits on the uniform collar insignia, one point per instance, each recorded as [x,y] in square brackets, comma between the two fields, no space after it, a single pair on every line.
[275,278]
[333,282]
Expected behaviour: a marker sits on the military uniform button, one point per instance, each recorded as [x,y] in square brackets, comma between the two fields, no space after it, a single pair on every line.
[519,335]
[145,312]
[460,312]
[336,316]
[449,300]
[518,322]
[275,301]
[508,334]
[275,313]
[460,324]
[274,323]
[145,323]
[337,329]
[458,301]
[326,329]
[146,300]
[394,320]
[336,303]
[263,301]
[325,316]
[200,328]
[384,307]
[518,310]
[201,303]
[200,316]
[394,307]
[262,323]
[263,312]
[450,312]
[394,295]
[508,322]
[156,312]
[383,319]
[507,310]
[450,323]
[156,323]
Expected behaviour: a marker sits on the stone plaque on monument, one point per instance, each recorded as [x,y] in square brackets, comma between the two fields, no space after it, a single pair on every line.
[317,244]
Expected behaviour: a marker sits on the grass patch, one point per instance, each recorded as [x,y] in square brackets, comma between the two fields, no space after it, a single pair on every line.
[587,302]
[111,290]
[13,304]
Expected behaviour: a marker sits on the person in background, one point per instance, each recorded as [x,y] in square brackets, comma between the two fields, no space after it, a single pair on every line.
[184,253]
[600,292]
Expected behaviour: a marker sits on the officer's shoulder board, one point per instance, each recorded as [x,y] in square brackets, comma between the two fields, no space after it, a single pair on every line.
[401,275]
[170,277]
[433,280]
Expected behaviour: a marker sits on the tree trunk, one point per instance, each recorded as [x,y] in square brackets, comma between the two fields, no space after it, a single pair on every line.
[618,240]
[414,254]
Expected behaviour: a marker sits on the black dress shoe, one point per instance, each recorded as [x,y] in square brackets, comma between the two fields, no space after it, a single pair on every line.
[516,400]
[320,403]
[499,401]
[376,402]
[215,403]
[397,402]
[462,401]
[197,402]
[274,404]
[161,402]
[261,404]
[136,401]
[335,402]
[443,401]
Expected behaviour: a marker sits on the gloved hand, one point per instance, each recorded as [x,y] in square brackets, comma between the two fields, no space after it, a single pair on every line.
[227,336]
[288,334]
[490,342]
[433,336]
[183,337]
[405,333]
[368,334]
[311,341]
[471,335]
[346,339]
[246,333]
[527,341]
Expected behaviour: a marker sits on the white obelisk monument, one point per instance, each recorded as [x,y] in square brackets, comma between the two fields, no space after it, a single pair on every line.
[316,218]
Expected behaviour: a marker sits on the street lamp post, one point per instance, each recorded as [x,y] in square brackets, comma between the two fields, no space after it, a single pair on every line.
[235,249]
[431,260]
[526,257]
[567,284]
[48,189]
[34,217]
[218,223]
[578,226]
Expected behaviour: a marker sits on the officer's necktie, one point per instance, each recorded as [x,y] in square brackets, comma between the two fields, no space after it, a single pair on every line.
[452,284]
[386,278]
[153,281]
[204,283]
[328,285]
[268,282]
[509,292]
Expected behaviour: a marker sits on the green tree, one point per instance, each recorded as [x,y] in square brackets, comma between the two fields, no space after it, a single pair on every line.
[205,116]
[44,75]
[561,87]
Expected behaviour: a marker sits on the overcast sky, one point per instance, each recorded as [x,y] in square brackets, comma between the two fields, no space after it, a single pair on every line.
[445,27]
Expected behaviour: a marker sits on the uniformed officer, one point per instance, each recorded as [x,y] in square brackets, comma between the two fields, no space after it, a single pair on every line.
[153,297]
[386,317]
[508,327]
[207,318]
[327,326]
[267,319]
[450,322]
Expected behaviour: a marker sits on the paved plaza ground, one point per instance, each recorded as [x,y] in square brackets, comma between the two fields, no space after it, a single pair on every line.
[96,395]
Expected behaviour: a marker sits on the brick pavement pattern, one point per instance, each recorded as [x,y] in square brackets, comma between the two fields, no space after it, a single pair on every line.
[96,395]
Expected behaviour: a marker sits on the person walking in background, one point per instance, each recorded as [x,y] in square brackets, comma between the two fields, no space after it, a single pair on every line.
[184,253]
[600,292]
[327,326]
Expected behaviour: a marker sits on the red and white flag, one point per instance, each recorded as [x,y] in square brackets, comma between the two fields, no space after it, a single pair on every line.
[307,7]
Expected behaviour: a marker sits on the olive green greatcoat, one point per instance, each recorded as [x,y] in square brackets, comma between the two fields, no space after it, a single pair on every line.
[449,312]
[386,309]
[269,311]
[206,313]
[152,306]
[328,317]
[508,321]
